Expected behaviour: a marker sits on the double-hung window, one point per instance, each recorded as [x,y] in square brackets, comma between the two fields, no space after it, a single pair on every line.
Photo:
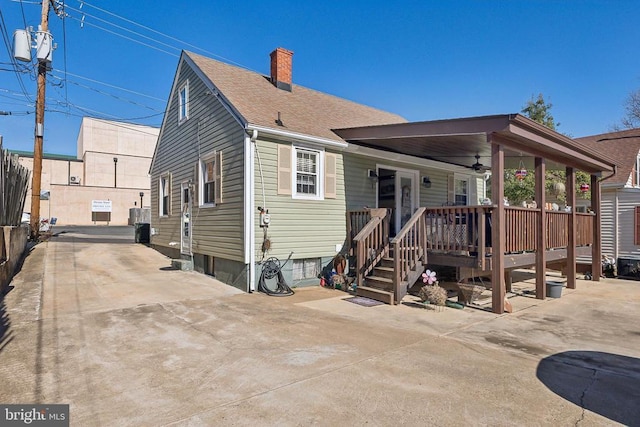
[183,103]
[307,173]
[461,192]
[210,179]
[308,182]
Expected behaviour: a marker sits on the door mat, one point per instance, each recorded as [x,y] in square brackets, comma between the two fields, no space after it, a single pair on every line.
[363,301]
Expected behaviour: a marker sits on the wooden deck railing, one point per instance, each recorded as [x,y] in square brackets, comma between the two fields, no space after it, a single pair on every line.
[409,253]
[456,228]
[557,229]
[520,226]
[584,229]
[372,243]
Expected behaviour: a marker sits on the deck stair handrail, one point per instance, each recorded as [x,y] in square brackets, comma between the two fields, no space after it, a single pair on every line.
[409,253]
[356,220]
[372,243]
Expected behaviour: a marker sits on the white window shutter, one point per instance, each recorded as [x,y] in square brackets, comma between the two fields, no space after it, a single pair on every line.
[196,185]
[472,196]
[218,175]
[451,191]
[330,175]
[169,190]
[284,169]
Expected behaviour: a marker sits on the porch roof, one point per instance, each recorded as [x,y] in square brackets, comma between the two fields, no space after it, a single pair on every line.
[458,141]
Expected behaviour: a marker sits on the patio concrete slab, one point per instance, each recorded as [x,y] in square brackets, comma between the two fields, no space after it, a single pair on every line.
[103,327]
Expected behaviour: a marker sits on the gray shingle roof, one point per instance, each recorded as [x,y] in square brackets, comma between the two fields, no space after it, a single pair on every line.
[622,147]
[302,110]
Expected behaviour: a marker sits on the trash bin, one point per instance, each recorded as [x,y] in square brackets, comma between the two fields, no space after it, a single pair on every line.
[142,232]
[554,289]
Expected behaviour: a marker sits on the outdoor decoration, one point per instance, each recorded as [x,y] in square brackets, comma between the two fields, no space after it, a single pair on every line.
[429,277]
[558,188]
[521,173]
[584,187]
[431,292]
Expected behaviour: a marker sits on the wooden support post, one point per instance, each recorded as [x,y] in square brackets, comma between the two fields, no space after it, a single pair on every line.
[596,249]
[498,234]
[541,230]
[508,280]
[571,242]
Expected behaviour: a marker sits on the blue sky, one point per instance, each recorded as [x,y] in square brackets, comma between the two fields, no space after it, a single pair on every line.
[424,60]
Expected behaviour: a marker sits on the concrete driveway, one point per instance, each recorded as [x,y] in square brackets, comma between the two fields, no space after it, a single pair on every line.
[102,324]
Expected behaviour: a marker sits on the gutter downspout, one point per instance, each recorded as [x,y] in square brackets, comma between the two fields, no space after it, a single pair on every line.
[249,209]
[615,224]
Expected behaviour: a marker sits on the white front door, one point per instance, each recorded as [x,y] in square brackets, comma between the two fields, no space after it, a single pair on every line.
[406,202]
[185,223]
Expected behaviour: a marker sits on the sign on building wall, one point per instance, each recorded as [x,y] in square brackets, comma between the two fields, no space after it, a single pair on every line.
[101,206]
[101,210]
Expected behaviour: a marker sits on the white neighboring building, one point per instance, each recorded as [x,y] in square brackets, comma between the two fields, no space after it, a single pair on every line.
[620,204]
[112,164]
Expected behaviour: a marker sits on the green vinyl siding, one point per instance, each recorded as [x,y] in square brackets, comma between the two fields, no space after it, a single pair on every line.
[361,190]
[308,228]
[217,231]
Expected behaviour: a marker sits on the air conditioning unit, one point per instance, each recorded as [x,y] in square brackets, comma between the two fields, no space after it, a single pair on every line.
[74,180]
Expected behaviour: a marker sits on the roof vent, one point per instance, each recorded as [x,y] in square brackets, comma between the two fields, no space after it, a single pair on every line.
[281,62]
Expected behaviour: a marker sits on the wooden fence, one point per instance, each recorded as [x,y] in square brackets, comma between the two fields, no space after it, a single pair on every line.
[14,183]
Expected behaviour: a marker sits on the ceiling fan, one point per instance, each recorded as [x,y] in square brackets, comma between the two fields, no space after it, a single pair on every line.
[479,167]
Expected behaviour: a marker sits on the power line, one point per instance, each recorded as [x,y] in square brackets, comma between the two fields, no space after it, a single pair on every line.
[112,86]
[125,37]
[64,49]
[24,20]
[165,35]
[123,28]
[121,121]
[8,45]
[119,98]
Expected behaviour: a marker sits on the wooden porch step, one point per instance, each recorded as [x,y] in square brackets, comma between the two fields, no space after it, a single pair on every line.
[376,294]
[378,282]
[386,262]
[386,272]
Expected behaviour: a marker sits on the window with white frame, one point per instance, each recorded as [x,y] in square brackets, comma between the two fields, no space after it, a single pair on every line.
[307,268]
[308,178]
[461,191]
[636,174]
[164,186]
[183,102]
[208,180]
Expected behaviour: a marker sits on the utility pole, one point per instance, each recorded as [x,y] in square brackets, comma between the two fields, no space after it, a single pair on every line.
[39,131]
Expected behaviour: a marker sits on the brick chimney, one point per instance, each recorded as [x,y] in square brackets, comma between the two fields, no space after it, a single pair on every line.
[281,68]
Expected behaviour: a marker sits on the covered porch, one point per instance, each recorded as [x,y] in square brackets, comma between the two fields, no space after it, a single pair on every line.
[487,240]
